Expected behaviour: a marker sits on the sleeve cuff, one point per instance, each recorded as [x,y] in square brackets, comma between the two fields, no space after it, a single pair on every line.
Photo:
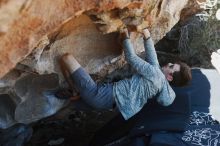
[147,38]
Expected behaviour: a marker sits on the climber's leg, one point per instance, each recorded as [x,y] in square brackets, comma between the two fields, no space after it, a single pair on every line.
[96,95]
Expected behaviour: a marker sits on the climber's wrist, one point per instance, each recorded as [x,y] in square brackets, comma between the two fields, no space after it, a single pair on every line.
[146,34]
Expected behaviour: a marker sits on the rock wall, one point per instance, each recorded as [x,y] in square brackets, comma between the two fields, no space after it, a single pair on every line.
[80,37]
[25,23]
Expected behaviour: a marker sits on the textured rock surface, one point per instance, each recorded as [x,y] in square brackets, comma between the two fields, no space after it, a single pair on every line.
[80,37]
[7,109]
[31,20]
[35,102]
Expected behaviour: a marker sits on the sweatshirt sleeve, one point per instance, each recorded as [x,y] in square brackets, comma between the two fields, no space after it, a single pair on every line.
[167,95]
[140,65]
[150,53]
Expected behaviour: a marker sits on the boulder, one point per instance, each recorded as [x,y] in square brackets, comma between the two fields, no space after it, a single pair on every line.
[28,23]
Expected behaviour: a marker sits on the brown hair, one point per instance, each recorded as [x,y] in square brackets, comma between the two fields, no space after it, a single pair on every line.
[182,77]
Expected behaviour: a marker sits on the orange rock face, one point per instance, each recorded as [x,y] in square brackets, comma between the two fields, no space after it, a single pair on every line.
[23,23]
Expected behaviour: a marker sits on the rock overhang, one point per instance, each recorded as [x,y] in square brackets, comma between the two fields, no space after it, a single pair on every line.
[33,20]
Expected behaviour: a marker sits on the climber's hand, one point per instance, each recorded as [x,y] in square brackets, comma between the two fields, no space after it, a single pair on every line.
[124,34]
[146,33]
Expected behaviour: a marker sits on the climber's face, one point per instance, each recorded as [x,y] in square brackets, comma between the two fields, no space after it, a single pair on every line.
[169,70]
